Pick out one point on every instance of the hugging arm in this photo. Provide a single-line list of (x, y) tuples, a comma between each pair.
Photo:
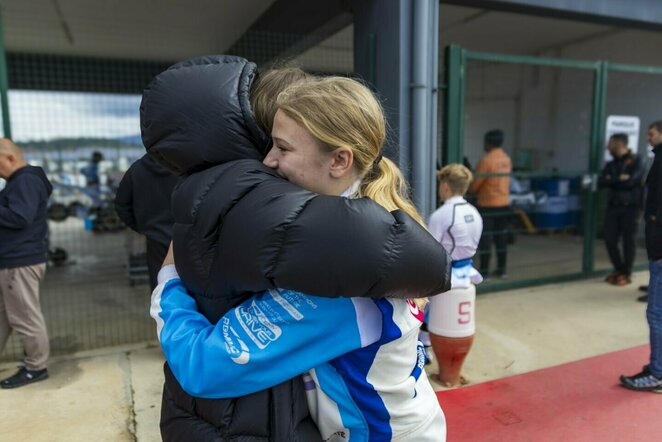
[(275, 234), (268, 339)]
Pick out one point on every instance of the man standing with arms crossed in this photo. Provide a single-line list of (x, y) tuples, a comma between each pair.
[(623, 177), (23, 249), (650, 378)]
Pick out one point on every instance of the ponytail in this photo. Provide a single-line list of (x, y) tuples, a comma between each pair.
[(385, 185)]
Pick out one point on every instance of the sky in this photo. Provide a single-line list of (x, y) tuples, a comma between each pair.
[(44, 115)]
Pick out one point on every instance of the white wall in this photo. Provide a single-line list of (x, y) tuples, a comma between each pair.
[(549, 109)]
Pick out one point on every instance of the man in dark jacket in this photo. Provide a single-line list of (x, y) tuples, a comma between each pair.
[(650, 378), (23, 249), (143, 203), (623, 176)]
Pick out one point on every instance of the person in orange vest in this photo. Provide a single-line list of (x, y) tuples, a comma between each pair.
[(492, 188)]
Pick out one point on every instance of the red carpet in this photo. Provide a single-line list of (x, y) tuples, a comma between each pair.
[(579, 401)]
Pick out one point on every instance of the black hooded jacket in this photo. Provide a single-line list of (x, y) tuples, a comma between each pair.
[(628, 193), (143, 199), (240, 229), (23, 224)]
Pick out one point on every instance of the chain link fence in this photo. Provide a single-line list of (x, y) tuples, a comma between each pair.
[(71, 114)]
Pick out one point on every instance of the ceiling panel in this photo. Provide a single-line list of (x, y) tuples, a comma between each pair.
[(141, 29)]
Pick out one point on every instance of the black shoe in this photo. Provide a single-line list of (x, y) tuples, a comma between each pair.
[(643, 288), (500, 275), (643, 298), (24, 377), (644, 381)]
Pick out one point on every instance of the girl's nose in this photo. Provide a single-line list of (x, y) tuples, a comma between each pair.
[(270, 160)]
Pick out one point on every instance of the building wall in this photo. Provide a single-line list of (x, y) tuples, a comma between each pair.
[(548, 110)]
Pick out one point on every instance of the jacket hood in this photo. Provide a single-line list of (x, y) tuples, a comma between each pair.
[(37, 171), (154, 166), (197, 114)]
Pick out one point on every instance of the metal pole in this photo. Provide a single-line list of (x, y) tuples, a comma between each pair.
[(434, 77), (4, 85), (597, 145), (372, 61), (420, 122), (453, 106)]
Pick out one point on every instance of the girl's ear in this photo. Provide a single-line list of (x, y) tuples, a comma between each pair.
[(342, 160)]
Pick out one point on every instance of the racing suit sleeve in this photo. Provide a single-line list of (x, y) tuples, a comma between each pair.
[(268, 339), (438, 225)]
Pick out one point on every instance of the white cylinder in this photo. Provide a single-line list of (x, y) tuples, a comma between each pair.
[(452, 314)]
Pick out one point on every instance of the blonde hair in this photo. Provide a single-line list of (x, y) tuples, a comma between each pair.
[(265, 90), (457, 176), (340, 111)]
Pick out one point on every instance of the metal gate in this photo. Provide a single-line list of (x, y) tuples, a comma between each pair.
[(554, 113)]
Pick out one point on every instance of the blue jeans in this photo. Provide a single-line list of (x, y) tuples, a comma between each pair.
[(654, 316)]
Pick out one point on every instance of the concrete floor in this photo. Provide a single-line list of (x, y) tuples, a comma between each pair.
[(114, 394)]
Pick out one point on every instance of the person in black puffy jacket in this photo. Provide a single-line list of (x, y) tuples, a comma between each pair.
[(369, 366), (241, 229), (143, 203)]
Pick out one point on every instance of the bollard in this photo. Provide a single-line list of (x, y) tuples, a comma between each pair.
[(452, 325)]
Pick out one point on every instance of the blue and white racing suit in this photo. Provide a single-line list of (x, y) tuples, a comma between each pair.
[(361, 359)]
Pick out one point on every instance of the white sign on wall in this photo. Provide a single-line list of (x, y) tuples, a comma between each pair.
[(622, 124)]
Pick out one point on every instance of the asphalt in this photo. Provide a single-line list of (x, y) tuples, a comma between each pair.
[(114, 394)]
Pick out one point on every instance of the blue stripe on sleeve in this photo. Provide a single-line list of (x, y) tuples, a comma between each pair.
[(352, 417), (354, 368)]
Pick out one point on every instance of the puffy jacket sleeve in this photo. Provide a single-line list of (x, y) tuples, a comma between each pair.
[(239, 228), (124, 199)]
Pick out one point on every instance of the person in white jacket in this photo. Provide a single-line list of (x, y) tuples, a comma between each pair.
[(457, 225)]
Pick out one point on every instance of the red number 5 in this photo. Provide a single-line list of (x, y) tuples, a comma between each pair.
[(464, 310)]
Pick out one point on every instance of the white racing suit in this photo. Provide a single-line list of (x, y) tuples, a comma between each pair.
[(361, 358)]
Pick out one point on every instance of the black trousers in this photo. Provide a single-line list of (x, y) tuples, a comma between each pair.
[(156, 253), (621, 222), (495, 231)]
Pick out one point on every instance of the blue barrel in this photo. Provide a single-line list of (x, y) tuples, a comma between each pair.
[(575, 201), (554, 212)]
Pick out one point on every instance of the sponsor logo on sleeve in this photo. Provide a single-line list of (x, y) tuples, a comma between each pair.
[(237, 348), (338, 436), (286, 305), (257, 325), (415, 311)]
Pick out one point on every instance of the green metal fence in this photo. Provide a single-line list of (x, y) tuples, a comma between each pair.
[(587, 251)]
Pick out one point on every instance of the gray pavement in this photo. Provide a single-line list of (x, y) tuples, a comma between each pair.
[(114, 394)]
